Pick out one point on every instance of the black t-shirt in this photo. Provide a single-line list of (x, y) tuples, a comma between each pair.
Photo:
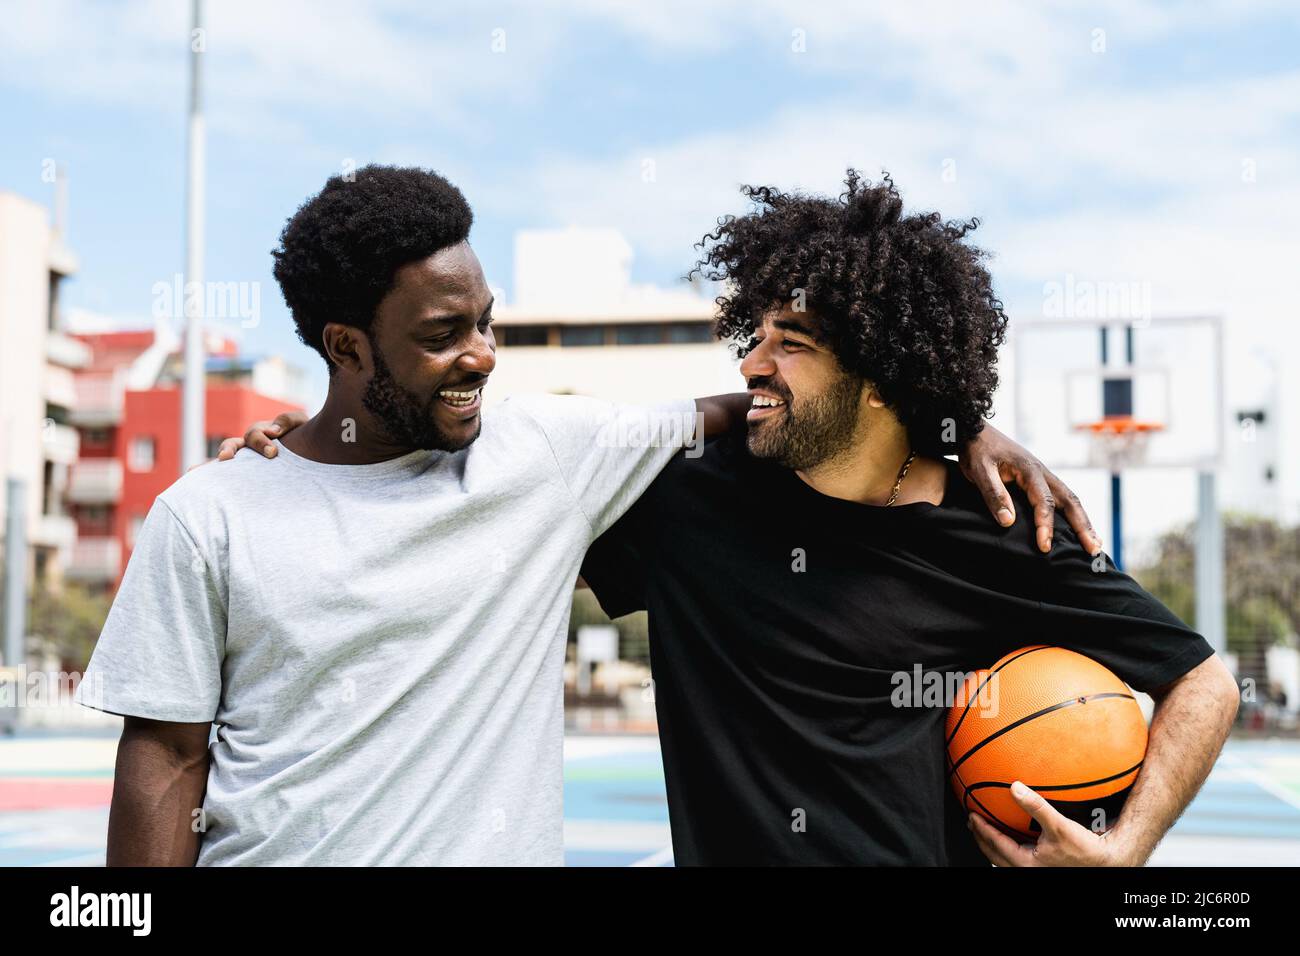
[(778, 617)]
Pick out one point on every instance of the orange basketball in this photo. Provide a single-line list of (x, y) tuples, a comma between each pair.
[(1060, 723)]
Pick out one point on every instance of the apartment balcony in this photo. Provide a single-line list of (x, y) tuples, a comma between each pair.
[(95, 481), (62, 259), (61, 443), (65, 351), (94, 560), (56, 531), (60, 386), (99, 399)]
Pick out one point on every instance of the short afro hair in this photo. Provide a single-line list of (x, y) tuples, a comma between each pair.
[(340, 252), (900, 299)]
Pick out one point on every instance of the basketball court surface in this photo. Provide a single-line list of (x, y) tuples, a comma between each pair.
[(55, 790)]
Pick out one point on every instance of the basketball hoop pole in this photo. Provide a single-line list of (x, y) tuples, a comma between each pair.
[(1163, 374), (1117, 520)]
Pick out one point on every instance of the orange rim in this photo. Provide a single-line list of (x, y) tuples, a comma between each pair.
[(1119, 425)]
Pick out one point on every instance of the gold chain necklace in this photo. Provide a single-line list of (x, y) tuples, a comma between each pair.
[(902, 473)]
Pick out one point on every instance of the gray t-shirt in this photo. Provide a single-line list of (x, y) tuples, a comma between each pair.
[(381, 646)]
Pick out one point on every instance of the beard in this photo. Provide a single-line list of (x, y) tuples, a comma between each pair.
[(810, 431), (403, 417)]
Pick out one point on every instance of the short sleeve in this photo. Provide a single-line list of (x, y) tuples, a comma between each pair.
[(1092, 607), (159, 655), (608, 453), (615, 564)]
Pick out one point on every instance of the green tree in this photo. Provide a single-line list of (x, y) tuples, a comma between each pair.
[(1261, 582), (68, 622)]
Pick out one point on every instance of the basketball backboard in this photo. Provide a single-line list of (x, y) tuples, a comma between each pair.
[(1072, 374)]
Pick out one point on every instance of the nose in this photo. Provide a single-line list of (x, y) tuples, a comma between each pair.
[(480, 357), (758, 362)]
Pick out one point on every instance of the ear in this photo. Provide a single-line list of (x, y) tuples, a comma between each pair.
[(347, 347), (873, 396)]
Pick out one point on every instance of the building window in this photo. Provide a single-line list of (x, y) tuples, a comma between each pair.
[(52, 319), (95, 436), (94, 518), (48, 498), (140, 456), (683, 333), (522, 334), (649, 334), (582, 335)]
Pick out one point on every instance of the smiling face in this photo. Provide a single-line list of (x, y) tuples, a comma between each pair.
[(432, 350), (805, 406)]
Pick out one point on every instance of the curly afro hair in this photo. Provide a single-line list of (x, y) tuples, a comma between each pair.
[(901, 300), (340, 252)]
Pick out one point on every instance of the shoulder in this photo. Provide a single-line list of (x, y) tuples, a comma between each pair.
[(964, 514), (723, 459), (202, 499), (544, 413), (548, 409), (575, 424), (530, 425), (964, 501)]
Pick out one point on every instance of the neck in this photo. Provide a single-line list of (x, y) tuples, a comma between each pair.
[(327, 438), (867, 470)]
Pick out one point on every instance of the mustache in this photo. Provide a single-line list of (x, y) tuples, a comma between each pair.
[(771, 385), (463, 386)]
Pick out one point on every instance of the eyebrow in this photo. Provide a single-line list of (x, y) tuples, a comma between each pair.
[(431, 323), (787, 325)]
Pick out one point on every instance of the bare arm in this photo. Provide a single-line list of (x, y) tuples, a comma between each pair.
[(721, 413), (1193, 717), (988, 461), (159, 783)]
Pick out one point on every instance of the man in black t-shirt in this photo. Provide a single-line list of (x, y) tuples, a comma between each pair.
[(796, 568)]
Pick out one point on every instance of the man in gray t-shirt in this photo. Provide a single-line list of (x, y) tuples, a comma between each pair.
[(374, 612), (381, 645)]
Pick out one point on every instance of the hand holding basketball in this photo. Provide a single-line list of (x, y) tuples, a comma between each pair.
[(1062, 842)]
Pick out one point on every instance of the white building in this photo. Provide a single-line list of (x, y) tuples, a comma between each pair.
[(37, 362), (579, 325)]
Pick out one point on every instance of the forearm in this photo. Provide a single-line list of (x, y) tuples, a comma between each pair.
[(1191, 722), (156, 791), (722, 413)]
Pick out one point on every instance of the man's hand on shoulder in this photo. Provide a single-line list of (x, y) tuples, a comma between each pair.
[(991, 459), (260, 436)]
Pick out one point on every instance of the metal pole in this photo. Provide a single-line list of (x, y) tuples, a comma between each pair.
[(193, 439), (15, 618), (1116, 522), (1209, 565)]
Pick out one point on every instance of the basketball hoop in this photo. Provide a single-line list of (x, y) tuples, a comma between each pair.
[(1118, 441)]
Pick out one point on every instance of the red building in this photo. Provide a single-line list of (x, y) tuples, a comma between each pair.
[(128, 415)]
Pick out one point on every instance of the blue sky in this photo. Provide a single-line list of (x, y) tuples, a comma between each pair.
[(1118, 163)]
